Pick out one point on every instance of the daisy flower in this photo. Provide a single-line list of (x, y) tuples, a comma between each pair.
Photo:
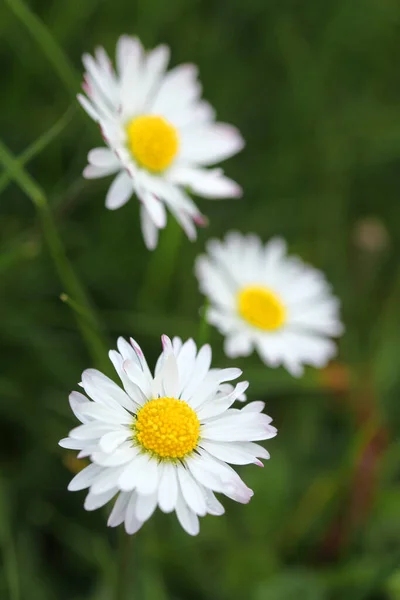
[(165, 439), (261, 298), (160, 136)]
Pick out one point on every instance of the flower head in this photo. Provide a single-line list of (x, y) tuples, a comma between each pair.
[(160, 136), (165, 440), (263, 299)]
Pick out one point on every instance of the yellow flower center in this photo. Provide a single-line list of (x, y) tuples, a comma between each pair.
[(168, 427), (261, 307), (153, 142)]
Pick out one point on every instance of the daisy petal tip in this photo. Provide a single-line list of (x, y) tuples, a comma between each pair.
[(71, 487), (247, 496), (194, 533), (166, 342), (86, 172), (237, 191), (201, 220), (136, 347)]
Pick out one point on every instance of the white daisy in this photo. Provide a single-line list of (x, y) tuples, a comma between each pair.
[(165, 439), (160, 135), (261, 298)]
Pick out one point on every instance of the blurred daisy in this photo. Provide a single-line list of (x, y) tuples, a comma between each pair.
[(263, 299), (165, 439), (160, 136)]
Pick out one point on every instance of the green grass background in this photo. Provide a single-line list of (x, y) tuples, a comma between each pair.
[(314, 86)]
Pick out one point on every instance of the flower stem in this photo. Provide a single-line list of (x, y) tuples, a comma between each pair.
[(160, 269), (91, 330), (44, 38), (41, 143)]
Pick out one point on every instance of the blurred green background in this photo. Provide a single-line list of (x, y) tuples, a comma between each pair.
[(314, 86)]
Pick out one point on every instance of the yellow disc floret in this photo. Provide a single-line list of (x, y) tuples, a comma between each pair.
[(168, 427), (261, 307), (153, 142)]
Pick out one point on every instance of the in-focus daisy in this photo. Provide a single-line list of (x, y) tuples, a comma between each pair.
[(160, 135), (165, 440), (261, 298)]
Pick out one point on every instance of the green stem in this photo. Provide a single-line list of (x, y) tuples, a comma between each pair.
[(40, 144), (47, 43), (92, 333), (161, 267)]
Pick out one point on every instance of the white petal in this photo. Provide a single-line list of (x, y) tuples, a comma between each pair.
[(145, 506), (88, 107), (90, 431), (219, 477), (117, 515), (127, 351), (229, 374), (106, 480), (137, 377), (200, 370), (102, 389), (242, 427), (186, 517), (155, 209), (93, 172), (103, 158), (85, 478), (170, 377), (207, 145), (216, 284), (148, 479), (178, 90), (176, 345), (99, 78), (131, 473), (110, 441), (111, 416), (234, 487), (205, 475), (132, 523), (95, 501), (119, 191), (257, 406), (214, 507), (191, 492), (149, 229), (233, 452), (141, 358), (217, 406), (238, 344), (168, 488), (156, 63), (205, 391), (72, 444), (121, 456), (76, 402), (186, 361), (130, 68), (207, 183), (142, 473), (133, 392)]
